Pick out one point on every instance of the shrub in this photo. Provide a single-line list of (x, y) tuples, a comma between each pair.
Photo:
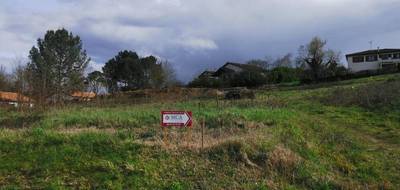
[(204, 82), (248, 79), (325, 74), (283, 74), (232, 150)]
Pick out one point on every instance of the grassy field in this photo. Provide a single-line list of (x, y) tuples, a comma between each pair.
[(342, 135)]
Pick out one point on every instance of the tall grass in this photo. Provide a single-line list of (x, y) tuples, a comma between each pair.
[(298, 142)]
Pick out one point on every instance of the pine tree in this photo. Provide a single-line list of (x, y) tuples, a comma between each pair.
[(57, 65)]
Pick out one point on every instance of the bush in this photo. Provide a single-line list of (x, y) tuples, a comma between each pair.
[(283, 74), (248, 79), (231, 150), (204, 82), (243, 79), (325, 74)]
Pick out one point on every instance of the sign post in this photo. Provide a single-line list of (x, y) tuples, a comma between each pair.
[(176, 118), (182, 119)]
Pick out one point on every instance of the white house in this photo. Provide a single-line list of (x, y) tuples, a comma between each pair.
[(373, 60)]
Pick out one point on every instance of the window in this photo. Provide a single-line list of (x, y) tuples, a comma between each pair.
[(385, 56), (396, 56), (358, 59), (371, 58)]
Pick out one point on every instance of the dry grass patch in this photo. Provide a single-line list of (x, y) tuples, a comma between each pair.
[(191, 139), (284, 161)]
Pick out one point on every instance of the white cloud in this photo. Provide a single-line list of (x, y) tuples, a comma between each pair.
[(198, 44), (93, 66), (124, 33)]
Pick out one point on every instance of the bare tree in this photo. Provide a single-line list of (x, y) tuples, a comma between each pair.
[(315, 57), (5, 82), (285, 61), (266, 63), (170, 78)]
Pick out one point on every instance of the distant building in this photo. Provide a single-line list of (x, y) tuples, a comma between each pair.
[(77, 96), (83, 96), (207, 74), (15, 99), (230, 69), (374, 60), (236, 68)]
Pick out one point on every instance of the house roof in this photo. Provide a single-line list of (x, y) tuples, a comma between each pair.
[(375, 51), (14, 97), (207, 73), (248, 67), (244, 67), (83, 94)]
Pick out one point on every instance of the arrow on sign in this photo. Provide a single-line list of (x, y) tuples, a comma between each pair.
[(176, 118)]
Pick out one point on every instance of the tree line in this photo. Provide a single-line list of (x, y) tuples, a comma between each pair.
[(57, 66), (58, 63), (314, 63)]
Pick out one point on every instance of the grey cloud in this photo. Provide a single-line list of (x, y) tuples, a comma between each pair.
[(196, 35)]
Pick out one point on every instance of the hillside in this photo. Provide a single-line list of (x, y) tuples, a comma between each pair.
[(342, 135)]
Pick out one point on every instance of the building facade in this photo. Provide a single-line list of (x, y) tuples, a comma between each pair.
[(373, 60)]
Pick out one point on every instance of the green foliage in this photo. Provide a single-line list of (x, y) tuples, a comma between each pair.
[(248, 79), (242, 79), (175, 186), (260, 63), (318, 62), (205, 82), (57, 65), (231, 151), (127, 71), (96, 81), (284, 75)]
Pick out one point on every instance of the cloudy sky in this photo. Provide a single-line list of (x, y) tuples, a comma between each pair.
[(199, 34)]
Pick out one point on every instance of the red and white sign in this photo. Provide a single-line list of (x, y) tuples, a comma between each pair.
[(176, 118)]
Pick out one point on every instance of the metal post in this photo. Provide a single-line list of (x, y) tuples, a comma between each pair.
[(165, 136), (202, 134)]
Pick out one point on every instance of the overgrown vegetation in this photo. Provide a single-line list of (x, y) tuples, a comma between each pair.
[(323, 136), (372, 96)]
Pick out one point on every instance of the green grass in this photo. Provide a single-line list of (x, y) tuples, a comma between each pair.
[(346, 147)]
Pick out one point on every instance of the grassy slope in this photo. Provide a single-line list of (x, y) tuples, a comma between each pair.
[(299, 144)]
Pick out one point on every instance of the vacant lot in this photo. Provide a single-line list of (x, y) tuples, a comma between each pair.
[(343, 135)]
